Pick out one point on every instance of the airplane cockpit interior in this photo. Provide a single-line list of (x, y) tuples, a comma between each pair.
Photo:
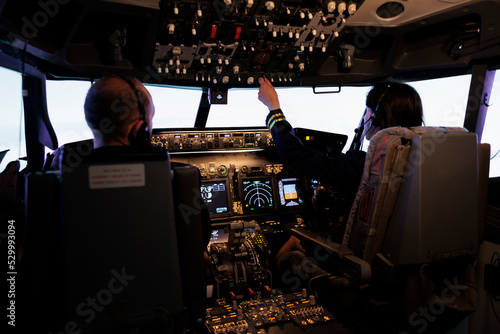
[(223, 227)]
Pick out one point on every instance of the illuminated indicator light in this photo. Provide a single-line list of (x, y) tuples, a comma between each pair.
[(307, 138), (238, 33), (214, 31)]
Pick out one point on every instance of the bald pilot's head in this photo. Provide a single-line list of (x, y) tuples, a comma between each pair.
[(112, 111)]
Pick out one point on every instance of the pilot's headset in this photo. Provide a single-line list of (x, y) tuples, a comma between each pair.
[(142, 137), (376, 121)]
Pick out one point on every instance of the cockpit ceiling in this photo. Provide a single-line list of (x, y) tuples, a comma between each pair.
[(233, 42)]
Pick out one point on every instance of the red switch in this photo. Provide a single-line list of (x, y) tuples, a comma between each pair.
[(214, 31), (238, 33)]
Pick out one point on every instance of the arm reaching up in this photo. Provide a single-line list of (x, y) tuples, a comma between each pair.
[(268, 95)]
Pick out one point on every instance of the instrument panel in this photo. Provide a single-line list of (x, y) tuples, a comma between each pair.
[(232, 42), (241, 171), (243, 176)]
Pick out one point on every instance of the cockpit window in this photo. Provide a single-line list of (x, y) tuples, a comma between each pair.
[(490, 131), (336, 112), (175, 107), (11, 111), (65, 101), (444, 102)]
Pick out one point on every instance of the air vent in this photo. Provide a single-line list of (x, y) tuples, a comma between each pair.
[(390, 10)]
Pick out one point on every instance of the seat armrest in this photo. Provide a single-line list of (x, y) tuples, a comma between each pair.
[(315, 239), (355, 269)]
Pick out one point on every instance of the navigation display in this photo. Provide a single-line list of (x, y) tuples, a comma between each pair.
[(214, 194), (218, 236), (258, 194), (288, 193)]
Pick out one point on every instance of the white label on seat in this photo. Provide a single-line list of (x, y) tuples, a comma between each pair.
[(117, 176)]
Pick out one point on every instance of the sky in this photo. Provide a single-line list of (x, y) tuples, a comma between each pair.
[(444, 102)]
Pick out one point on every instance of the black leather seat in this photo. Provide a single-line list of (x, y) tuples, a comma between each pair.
[(125, 251)]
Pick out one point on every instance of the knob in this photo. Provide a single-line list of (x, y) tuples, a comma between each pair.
[(249, 3), (199, 12), (218, 70), (171, 28), (297, 34), (302, 67), (274, 32), (236, 69), (342, 7), (352, 8), (310, 47), (202, 61), (250, 80), (290, 66), (302, 46), (193, 31), (302, 15), (323, 48), (322, 36), (177, 70), (269, 5), (225, 79), (159, 69), (177, 61), (310, 16), (313, 31), (209, 60), (330, 7), (290, 33), (184, 70), (176, 10), (170, 61), (287, 11), (227, 2), (226, 61)]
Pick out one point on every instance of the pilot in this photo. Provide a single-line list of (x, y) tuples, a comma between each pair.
[(388, 104), (115, 115), (119, 111)]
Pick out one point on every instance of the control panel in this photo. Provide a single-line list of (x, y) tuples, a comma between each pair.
[(267, 310), (183, 140), (243, 298), (233, 42)]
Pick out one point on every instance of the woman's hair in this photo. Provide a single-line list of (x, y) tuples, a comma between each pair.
[(394, 104)]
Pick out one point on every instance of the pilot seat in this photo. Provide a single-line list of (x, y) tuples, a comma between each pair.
[(115, 244), (406, 262)]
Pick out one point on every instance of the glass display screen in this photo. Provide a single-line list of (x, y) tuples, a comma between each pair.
[(214, 194), (218, 236), (257, 194), (289, 196)]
